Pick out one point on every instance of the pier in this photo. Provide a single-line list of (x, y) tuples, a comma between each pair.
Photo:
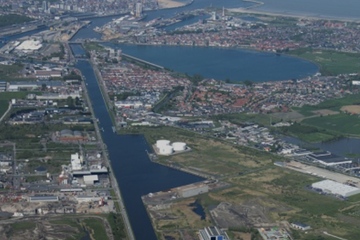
[(142, 61)]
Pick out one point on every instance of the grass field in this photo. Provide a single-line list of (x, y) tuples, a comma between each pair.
[(342, 123), (332, 104), (253, 178), (310, 133), (241, 118), (96, 228), (21, 226), (331, 62), (10, 72), (216, 157), (5, 97), (117, 225)]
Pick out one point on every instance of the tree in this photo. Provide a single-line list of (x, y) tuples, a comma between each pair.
[(70, 102), (248, 83)]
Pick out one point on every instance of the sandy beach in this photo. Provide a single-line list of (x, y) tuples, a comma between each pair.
[(172, 4), (256, 9), (288, 14)]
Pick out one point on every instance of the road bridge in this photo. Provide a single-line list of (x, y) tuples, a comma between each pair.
[(142, 61)]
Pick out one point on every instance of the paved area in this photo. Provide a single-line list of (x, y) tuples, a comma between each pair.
[(323, 173)]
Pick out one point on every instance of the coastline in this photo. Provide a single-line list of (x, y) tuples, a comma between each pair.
[(254, 9), (169, 4)]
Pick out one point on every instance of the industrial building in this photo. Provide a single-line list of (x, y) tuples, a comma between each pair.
[(274, 233), (300, 226), (17, 86), (76, 161), (3, 86), (45, 198), (332, 187), (193, 190), (90, 179), (86, 198), (213, 233), (328, 159)]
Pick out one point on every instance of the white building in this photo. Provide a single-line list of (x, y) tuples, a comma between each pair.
[(76, 161), (332, 187), (300, 226), (138, 9), (90, 179)]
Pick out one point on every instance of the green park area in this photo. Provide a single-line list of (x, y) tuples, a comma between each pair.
[(331, 62), (309, 133), (242, 118), (252, 182), (10, 19), (329, 120), (5, 97), (342, 123), (331, 104), (10, 72)]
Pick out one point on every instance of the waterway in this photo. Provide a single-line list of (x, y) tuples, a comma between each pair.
[(89, 33), (135, 173), (223, 63)]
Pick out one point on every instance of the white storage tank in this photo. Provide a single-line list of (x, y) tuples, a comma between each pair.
[(166, 150), (162, 143), (179, 146)]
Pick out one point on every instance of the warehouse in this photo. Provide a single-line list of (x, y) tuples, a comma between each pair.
[(332, 187), (91, 179), (328, 159), (45, 198), (213, 233)]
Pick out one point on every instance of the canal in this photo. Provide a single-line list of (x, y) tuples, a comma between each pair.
[(135, 173)]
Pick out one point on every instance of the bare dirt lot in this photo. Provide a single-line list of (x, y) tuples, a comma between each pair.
[(354, 109)]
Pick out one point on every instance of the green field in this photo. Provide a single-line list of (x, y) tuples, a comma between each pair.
[(241, 118), (5, 97), (309, 133), (331, 62), (10, 72), (331, 104), (217, 159), (96, 228), (21, 226), (342, 123), (253, 178), (10, 19), (117, 225)]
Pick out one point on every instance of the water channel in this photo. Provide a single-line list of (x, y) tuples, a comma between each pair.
[(135, 173)]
